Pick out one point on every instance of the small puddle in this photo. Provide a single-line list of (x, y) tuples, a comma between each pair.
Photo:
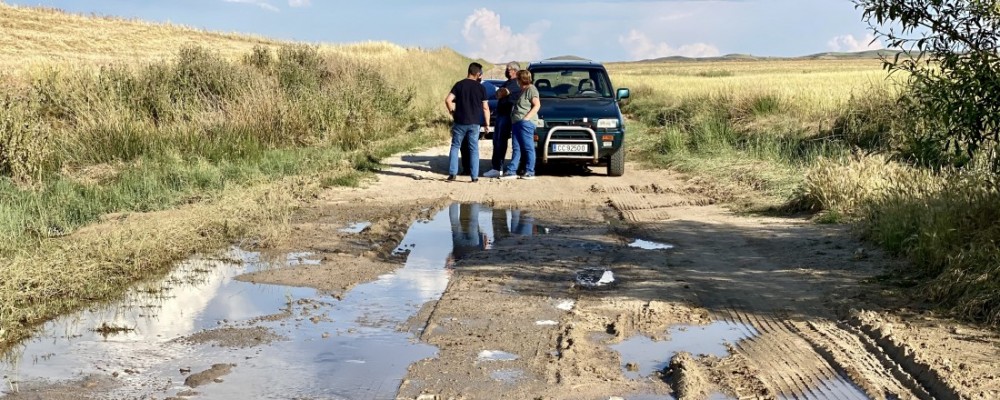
[(651, 356), (357, 347), (835, 388), (507, 375), (495, 355), (356, 227), (713, 396), (649, 245), (302, 258)]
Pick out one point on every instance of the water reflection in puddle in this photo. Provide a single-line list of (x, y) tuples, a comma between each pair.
[(352, 348), (648, 245), (651, 356), (476, 227), (302, 258)]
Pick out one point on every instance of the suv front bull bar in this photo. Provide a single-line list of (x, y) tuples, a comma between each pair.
[(592, 142)]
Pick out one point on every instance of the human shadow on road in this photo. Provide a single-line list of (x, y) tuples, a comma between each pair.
[(792, 270)]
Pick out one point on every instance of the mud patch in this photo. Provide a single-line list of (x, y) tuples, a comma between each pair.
[(507, 375), (234, 337), (592, 278), (210, 375)]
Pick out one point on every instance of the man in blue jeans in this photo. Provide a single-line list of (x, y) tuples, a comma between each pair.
[(467, 104)]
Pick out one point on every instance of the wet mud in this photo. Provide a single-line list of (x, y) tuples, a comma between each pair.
[(415, 288)]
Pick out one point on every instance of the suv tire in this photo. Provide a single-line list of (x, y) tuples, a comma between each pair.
[(616, 163)]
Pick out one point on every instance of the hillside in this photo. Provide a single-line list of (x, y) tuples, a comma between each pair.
[(861, 55), (35, 35)]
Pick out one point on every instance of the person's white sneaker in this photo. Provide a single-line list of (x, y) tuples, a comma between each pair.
[(508, 176), (493, 174), (527, 177)]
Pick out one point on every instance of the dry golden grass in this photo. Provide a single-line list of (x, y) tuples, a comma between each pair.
[(247, 193), (810, 86), (41, 37)]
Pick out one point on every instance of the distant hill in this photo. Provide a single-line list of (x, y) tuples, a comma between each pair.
[(861, 55), (855, 55), (569, 58)]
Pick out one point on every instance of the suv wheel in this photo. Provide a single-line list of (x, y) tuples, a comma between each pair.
[(616, 163)]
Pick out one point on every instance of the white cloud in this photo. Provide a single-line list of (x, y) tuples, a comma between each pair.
[(299, 3), (849, 43), (495, 42), (259, 3), (641, 47), (670, 17)]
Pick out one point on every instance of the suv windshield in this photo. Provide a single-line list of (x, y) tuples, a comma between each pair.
[(571, 82)]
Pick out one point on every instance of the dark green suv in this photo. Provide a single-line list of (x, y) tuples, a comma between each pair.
[(580, 121)]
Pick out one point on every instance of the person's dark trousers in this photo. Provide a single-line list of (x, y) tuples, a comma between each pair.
[(501, 138), (459, 134), (523, 138)]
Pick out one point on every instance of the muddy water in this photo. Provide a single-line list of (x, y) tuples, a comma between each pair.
[(652, 356), (357, 347)]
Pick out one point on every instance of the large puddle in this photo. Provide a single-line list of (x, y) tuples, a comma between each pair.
[(353, 348)]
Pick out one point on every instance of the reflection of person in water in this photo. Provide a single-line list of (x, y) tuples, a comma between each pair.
[(521, 223), (465, 234)]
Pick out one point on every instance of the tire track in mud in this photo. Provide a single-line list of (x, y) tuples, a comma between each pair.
[(646, 203), (784, 362), (858, 358), (878, 339), (829, 360), (797, 360)]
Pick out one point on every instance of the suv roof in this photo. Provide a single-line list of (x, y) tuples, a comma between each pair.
[(566, 63)]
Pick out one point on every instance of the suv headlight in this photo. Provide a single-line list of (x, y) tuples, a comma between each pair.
[(607, 123)]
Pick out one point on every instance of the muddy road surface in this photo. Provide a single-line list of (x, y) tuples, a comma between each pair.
[(571, 286)]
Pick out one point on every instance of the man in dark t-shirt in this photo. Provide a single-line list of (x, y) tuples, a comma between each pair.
[(467, 103)]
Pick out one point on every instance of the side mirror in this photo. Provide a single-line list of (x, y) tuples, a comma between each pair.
[(622, 94)]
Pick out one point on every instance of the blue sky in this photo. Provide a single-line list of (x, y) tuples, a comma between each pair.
[(522, 29)]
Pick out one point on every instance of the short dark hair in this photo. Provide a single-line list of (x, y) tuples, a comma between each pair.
[(475, 68)]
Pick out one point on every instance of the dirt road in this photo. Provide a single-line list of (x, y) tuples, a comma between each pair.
[(703, 304)]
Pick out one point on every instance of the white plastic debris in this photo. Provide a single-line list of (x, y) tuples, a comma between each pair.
[(606, 278), (649, 245), (566, 305), (546, 322)]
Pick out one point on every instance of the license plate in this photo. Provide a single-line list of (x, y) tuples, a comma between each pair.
[(569, 148)]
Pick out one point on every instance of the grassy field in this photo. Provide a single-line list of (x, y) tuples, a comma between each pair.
[(762, 122), (825, 136), (126, 145)]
